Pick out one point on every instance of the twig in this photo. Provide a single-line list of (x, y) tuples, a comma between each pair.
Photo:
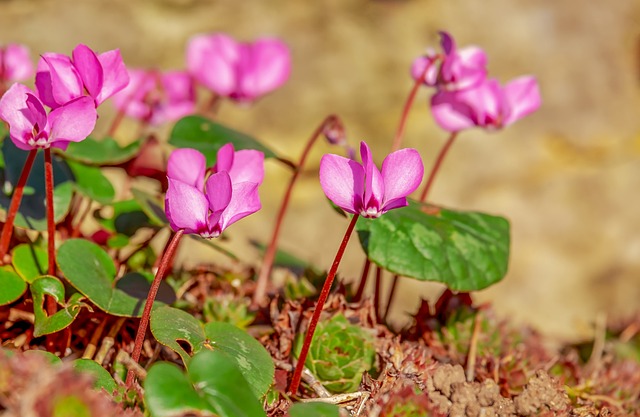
[(473, 348), (598, 342)]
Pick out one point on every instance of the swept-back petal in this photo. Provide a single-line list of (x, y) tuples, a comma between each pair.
[(66, 83), (14, 111), (17, 63), (219, 191), (428, 63), (266, 67), (225, 158), (74, 121), (89, 68), (402, 173), (451, 112), (186, 207), (211, 59), (188, 166), (245, 200), (342, 181), (374, 186), (248, 166), (114, 73), (522, 96), (37, 113)]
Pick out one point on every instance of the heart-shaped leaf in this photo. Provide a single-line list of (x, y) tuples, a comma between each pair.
[(90, 182), (171, 327), (314, 409), (48, 356), (30, 261), (103, 380), (92, 272), (467, 251), (32, 211), (13, 286), (206, 136), (101, 152), (126, 218), (43, 323)]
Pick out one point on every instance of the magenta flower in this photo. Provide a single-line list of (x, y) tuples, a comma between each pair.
[(156, 97), (363, 189), (488, 105), (15, 63), (229, 194), (30, 127), (240, 71), (60, 78), (456, 69)]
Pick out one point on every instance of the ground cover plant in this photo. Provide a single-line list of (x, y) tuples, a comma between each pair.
[(96, 323)]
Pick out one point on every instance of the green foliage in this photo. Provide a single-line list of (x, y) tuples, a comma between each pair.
[(207, 136), (91, 182), (467, 251), (30, 261), (127, 218), (45, 324), (340, 353), (212, 384), (92, 272), (103, 380), (32, 211), (314, 409), (228, 308), (101, 152), (175, 328), (13, 286)]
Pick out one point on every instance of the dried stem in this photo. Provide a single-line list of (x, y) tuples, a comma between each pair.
[(473, 349), (436, 166), (297, 374), (270, 253), (153, 291), (7, 229)]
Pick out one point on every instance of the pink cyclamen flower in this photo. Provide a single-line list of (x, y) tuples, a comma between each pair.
[(455, 69), (15, 63), (240, 71), (30, 127), (60, 78), (488, 105), (229, 194), (363, 189), (157, 97)]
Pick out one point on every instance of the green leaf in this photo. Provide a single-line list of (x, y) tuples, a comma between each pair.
[(30, 261), (48, 356), (151, 206), (92, 272), (314, 409), (101, 152), (127, 218), (90, 182), (13, 286), (45, 324), (206, 136), (32, 212), (118, 241), (168, 392), (103, 380), (171, 327), (467, 251)]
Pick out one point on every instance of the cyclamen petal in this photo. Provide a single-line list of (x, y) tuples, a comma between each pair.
[(374, 186), (73, 122), (186, 208), (187, 165), (114, 73), (12, 110), (15, 61), (66, 83), (342, 181), (402, 172), (88, 66), (212, 60), (219, 191), (248, 166), (245, 200), (522, 96)]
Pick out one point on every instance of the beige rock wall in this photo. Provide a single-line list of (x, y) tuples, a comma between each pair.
[(567, 177)]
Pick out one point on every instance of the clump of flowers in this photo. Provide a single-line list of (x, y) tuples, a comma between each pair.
[(340, 353)]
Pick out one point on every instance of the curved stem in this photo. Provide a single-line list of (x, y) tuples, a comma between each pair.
[(270, 253), (297, 374), (397, 140), (363, 280), (51, 222), (153, 291), (392, 293), (7, 229), (376, 294), (436, 166)]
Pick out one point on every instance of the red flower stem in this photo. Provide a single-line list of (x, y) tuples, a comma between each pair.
[(7, 229), (363, 280), (153, 291), (392, 292), (436, 166), (397, 140), (81, 218), (297, 374), (270, 253), (51, 223), (376, 294)]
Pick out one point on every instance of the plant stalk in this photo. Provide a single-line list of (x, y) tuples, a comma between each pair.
[(436, 166), (363, 280), (297, 374), (153, 291), (7, 229), (259, 295), (51, 222)]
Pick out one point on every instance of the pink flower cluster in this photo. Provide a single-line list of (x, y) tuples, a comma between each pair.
[(72, 87), (464, 96)]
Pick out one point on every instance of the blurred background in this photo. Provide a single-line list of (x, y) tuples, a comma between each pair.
[(567, 177)]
